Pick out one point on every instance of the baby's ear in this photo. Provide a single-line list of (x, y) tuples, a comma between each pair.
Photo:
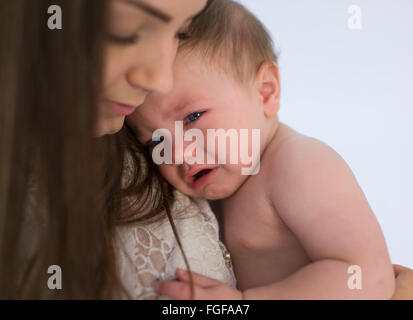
[(268, 85)]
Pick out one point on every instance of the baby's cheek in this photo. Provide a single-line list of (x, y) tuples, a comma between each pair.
[(171, 174), (167, 172)]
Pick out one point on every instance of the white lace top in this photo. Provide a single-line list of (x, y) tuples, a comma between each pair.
[(151, 253)]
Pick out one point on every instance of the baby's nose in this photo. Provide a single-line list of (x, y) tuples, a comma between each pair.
[(189, 151)]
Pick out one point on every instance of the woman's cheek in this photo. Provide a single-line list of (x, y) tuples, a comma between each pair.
[(110, 68)]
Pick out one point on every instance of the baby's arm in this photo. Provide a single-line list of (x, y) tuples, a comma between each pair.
[(317, 196), (404, 283)]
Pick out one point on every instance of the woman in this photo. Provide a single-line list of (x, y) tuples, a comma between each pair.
[(61, 194), (60, 89)]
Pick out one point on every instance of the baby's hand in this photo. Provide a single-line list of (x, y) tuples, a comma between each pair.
[(404, 283), (204, 288)]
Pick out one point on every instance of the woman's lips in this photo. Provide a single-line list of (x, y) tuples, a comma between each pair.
[(121, 109), (204, 179)]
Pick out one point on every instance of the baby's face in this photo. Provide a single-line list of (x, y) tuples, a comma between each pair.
[(203, 97)]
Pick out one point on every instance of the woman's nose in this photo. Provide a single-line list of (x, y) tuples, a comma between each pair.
[(156, 75)]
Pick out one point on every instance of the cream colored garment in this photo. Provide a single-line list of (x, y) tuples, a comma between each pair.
[(150, 253)]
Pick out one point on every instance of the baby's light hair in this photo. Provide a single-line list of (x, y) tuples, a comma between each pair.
[(229, 35)]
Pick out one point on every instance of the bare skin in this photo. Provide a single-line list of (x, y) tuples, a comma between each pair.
[(143, 37), (304, 248), (404, 283), (205, 287), (262, 242), (287, 249), (295, 228)]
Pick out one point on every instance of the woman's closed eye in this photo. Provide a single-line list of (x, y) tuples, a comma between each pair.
[(127, 40), (134, 38)]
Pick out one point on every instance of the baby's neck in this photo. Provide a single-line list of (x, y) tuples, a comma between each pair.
[(269, 139), (273, 133), (277, 133)]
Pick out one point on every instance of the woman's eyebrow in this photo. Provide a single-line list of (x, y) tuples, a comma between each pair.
[(149, 9)]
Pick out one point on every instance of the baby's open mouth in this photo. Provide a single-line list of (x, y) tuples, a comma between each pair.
[(203, 177), (201, 173), (198, 177)]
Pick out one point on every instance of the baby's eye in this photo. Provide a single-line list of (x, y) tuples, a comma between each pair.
[(194, 116)]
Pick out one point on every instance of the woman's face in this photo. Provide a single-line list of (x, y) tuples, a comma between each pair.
[(143, 38)]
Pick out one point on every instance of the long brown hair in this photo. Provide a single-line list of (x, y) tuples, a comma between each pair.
[(59, 185), (61, 193)]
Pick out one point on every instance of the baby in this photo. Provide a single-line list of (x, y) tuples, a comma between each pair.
[(301, 228)]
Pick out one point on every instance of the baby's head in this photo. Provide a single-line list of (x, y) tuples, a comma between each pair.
[(225, 77)]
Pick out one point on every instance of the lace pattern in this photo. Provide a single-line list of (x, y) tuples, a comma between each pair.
[(150, 253)]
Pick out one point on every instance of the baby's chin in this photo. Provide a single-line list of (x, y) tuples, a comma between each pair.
[(215, 191)]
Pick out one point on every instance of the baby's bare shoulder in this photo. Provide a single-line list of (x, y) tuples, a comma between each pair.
[(298, 149), (299, 160)]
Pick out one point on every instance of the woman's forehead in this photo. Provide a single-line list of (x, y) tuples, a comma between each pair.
[(167, 10)]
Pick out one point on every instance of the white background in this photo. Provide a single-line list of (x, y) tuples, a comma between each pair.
[(353, 89)]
